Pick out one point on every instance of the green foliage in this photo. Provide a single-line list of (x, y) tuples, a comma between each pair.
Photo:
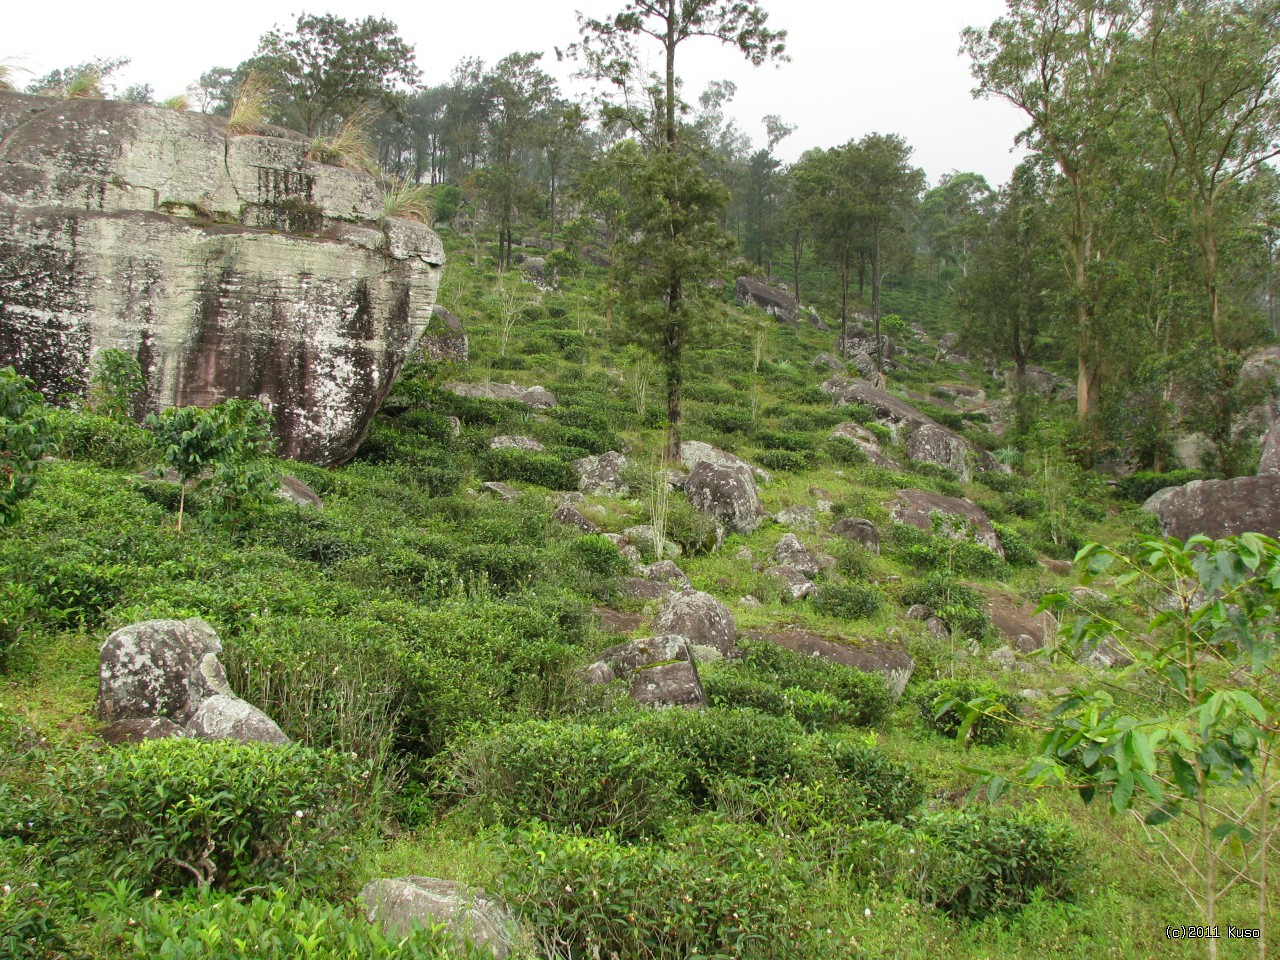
[(116, 384), (711, 889), (939, 552), (866, 695), (572, 776), (785, 461), (975, 864), (709, 744), (1141, 485), (218, 814), (843, 451), (848, 601), (106, 441), (26, 435), (279, 926), (1018, 551), (545, 470), (222, 451), (887, 789), (694, 531), (728, 419), (943, 705)]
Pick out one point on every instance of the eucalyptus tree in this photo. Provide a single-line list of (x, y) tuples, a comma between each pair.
[(1067, 65), (680, 245), (953, 218)]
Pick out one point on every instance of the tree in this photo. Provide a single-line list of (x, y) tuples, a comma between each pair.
[(223, 449), (327, 67), (26, 437), (954, 216), (1193, 759), (1213, 71), (116, 384), (1065, 64), (84, 80), (680, 242)]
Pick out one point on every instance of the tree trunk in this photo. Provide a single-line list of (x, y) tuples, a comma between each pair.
[(875, 294)]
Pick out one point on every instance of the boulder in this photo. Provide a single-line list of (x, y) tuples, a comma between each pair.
[(292, 490), (569, 516), (470, 916), (829, 361), (791, 552), (615, 621), (859, 531), (502, 491), (918, 611), (963, 393), (867, 441), (602, 474), (795, 584), (445, 340), (1264, 364), (646, 538), (937, 445), (865, 364), (859, 340), (726, 493), (779, 304), (889, 660), (535, 268), (625, 659), (519, 443), (223, 717), (138, 730), (1270, 462), (665, 571), (1018, 623), (642, 588), (1219, 508), (229, 266), (937, 627), (159, 668), (701, 619), (802, 518), (669, 685), (693, 452), (917, 508), (540, 398)]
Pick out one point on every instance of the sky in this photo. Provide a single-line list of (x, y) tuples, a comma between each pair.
[(855, 67)]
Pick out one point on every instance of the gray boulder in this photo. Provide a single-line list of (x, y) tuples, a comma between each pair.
[(669, 685), (802, 518), (223, 717), (570, 517), (136, 731), (502, 491), (646, 538), (602, 474), (917, 508), (1270, 462), (665, 571), (726, 493), (293, 490), (865, 364), (470, 916), (625, 659), (866, 440), (795, 584), (701, 619), (937, 445), (540, 398), (445, 340), (829, 361), (791, 552), (859, 531), (1219, 508), (889, 660), (778, 303), (519, 443), (694, 452), (159, 668)]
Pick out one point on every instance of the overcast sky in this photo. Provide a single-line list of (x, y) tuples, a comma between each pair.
[(855, 68)]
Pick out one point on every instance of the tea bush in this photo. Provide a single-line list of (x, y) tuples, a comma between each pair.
[(509, 463), (932, 551), (887, 789), (974, 864), (103, 440), (866, 693), (843, 451), (932, 699), (848, 601), (709, 890), (1017, 549), (280, 926), (694, 531), (218, 814), (572, 776)]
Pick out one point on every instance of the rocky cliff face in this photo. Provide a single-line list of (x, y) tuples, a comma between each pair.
[(230, 266)]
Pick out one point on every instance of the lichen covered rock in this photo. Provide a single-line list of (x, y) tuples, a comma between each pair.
[(229, 266)]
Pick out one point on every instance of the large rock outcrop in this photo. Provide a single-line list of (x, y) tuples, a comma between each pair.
[(230, 266), (776, 302), (468, 916), (917, 508), (1219, 508)]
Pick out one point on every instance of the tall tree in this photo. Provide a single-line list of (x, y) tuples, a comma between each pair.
[(677, 219), (327, 67), (1065, 64), (954, 215)]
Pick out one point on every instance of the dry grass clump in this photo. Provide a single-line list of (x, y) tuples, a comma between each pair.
[(351, 147), (408, 201), (179, 103), (249, 106)]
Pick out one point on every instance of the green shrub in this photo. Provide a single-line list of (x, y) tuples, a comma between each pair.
[(116, 384), (974, 864), (888, 790), (509, 463), (222, 814), (695, 532), (1017, 549), (941, 705), (785, 461), (120, 444), (710, 890), (280, 926), (572, 776), (727, 419), (31, 906), (1144, 483), (772, 440), (27, 434), (933, 551), (1001, 482), (1028, 506), (848, 601), (866, 693), (599, 558), (735, 685), (708, 744), (843, 451), (19, 609)]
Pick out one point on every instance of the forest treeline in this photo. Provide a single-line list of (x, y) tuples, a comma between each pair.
[(1135, 246)]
